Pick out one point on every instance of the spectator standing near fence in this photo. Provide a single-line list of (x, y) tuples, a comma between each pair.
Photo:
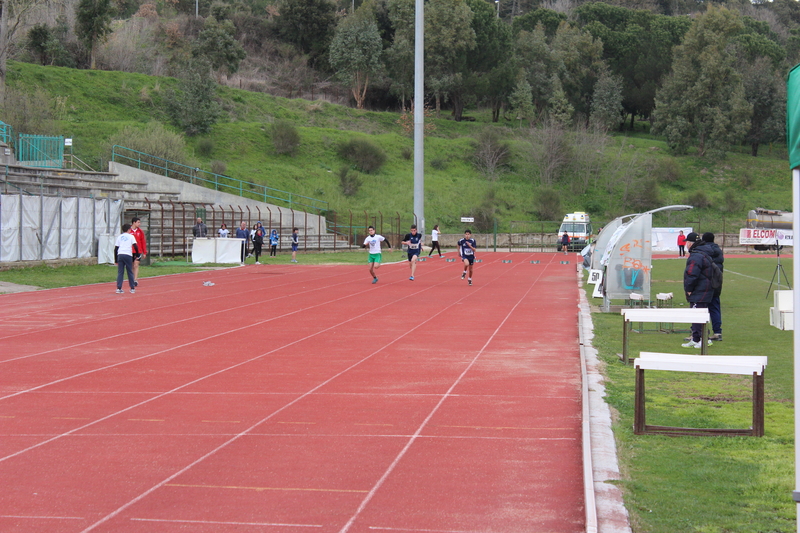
[(435, 241), (466, 250), (295, 243), (124, 249), (223, 231), (373, 241), (274, 239), (714, 307), (141, 244), (681, 244), (242, 233), (697, 283), (199, 230)]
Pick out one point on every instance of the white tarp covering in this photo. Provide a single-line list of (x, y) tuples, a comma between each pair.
[(666, 239), (207, 250), (9, 227), (603, 238), (41, 227), (630, 259)]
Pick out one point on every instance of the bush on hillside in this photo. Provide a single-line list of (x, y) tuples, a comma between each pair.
[(438, 163), (732, 202), (364, 154), (205, 147), (285, 137), (552, 151), (547, 204), (30, 111), (218, 167), (194, 108), (153, 139), (699, 200), (349, 180), (645, 195), (667, 171), (490, 152)]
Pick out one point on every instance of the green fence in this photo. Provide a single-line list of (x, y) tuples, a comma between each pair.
[(40, 151), (218, 182), (6, 133)]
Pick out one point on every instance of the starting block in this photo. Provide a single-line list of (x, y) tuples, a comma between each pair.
[(507, 260), (535, 262)]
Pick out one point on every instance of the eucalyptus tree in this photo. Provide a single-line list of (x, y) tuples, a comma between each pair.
[(702, 102), (449, 37), (355, 52)]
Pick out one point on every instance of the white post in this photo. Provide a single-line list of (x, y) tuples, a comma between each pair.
[(796, 333), (419, 116)]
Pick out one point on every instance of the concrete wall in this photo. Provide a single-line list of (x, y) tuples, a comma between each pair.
[(203, 195)]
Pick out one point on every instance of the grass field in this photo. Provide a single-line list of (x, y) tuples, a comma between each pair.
[(707, 484)]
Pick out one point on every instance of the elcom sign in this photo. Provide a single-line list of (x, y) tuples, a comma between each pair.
[(750, 236)]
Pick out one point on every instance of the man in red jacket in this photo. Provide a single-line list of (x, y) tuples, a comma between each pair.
[(141, 243)]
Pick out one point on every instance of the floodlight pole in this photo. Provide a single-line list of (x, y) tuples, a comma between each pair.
[(419, 115)]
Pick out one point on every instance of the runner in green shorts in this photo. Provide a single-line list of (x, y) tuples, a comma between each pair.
[(373, 241)]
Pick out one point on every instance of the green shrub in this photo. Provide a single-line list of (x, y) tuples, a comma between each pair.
[(667, 171), (285, 137), (547, 204), (153, 139), (439, 163), (349, 180), (193, 107), (407, 153), (490, 152), (363, 154), (699, 200), (218, 167), (205, 147)]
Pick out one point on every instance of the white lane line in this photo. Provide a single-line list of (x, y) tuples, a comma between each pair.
[(212, 522), (424, 423), (291, 403), (241, 363), (42, 517), (190, 343)]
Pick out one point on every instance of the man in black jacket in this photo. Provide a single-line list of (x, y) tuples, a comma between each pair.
[(714, 308), (697, 282)]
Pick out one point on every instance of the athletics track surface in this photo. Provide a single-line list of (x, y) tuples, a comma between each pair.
[(291, 398)]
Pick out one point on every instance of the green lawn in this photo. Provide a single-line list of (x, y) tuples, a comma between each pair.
[(707, 484)]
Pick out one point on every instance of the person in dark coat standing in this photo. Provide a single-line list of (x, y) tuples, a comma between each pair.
[(714, 308), (697, 282)]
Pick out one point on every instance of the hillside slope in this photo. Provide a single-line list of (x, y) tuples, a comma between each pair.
[(616, 175)]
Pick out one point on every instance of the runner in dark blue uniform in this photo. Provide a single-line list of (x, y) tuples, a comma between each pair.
[(466, 249), (414, 242)]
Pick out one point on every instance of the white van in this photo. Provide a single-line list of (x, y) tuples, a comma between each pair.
[(579, 228)]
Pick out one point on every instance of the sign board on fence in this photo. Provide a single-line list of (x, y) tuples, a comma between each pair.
[(67, 142), (467, 219), (595, 276), (749, 236)]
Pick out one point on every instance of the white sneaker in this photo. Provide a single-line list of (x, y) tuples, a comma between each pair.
[(691, 344), (120, 291), (258, 262)]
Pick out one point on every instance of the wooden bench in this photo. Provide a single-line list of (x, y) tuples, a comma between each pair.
[(667, 315), (714, 364)]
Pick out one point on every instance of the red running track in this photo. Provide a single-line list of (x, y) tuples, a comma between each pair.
[(291, 398)]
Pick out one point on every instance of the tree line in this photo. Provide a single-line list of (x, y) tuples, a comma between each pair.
[(704, 79)]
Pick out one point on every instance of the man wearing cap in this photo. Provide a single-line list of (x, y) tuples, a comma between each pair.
[(714, 309), (697, 282)]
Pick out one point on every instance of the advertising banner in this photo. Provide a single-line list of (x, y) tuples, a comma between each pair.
[(769, 237)]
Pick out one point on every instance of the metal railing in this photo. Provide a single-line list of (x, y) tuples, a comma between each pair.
[(40, 150), (218, 182)]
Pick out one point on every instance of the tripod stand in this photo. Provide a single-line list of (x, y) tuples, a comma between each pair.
[(778, 269)]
